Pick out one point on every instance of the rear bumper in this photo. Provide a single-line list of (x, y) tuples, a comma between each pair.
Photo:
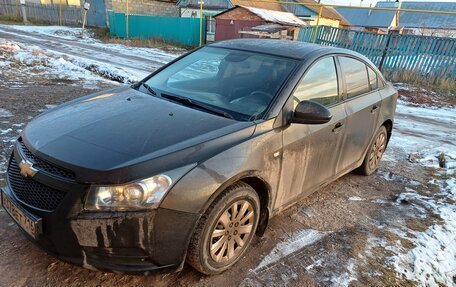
[(130, 242)]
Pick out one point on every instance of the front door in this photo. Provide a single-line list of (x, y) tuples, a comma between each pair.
[(312, 152)]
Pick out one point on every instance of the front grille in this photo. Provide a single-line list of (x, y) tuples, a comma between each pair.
[(32, 192), (45, 166)]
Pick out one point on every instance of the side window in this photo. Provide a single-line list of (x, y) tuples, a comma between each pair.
[(373, 82), (355, 74), (319, 84)]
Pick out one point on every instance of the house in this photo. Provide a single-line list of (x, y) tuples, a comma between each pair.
[(241, 21), (191, 8), (329, 16), (382, 21)]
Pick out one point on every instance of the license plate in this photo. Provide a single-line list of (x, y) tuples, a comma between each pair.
[(30, 223)]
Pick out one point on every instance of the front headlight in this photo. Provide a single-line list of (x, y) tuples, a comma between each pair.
[(142, 194)]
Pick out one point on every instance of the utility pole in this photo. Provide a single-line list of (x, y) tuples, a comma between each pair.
[(86, 9), (24, 12), (201, 22)]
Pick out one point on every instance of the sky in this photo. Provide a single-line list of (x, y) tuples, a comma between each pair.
[(368, 2)]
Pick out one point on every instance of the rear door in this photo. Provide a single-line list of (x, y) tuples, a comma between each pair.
[(311, 152), (362, 104)]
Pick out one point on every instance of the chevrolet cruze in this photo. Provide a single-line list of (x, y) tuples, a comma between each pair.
[(190, 163)]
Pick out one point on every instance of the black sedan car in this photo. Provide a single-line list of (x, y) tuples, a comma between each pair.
[(191, 162)]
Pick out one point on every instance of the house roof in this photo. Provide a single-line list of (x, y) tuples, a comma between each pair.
[(272, 16), (261, 5), (384, 19), (427, 20), (227, 4), (367, 17), (326, 12)]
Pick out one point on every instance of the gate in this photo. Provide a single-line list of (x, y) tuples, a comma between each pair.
[(96, 16)]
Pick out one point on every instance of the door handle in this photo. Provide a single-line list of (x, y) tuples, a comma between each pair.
[(337, 127), (374, 109)]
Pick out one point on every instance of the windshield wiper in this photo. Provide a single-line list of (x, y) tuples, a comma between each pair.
[(148, 88), (191, 103)]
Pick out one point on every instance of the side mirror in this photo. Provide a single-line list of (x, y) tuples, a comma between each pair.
[(312, 113)]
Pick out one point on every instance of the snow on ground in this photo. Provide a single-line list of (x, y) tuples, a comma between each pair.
[(87, 58), (416, 134), (292, 244), (433, 260), (33, 61), (71, 33), (5, 113)]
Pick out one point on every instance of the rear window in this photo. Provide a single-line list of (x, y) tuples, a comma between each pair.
[(373, 81), (356, 79)]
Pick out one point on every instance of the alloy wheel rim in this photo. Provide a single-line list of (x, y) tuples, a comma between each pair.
[(232, 231), (377, 150)]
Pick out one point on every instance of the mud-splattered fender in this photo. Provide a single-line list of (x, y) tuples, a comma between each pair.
[(260, 157), (161, 235)]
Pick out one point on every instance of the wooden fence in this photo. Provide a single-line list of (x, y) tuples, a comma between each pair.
[(433, 58), (51, 13), (45, 13)]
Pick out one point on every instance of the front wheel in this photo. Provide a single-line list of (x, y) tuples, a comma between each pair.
[(375, 152), (225, 231)]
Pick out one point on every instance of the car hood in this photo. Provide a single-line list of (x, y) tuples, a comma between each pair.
[(122, 135)]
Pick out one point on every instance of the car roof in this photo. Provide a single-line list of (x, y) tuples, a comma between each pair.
[(284, 48)]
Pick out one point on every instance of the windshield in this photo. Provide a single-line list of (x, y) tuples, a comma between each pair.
[(240, 83)]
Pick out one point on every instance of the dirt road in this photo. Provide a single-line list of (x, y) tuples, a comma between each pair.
[(358, 231)]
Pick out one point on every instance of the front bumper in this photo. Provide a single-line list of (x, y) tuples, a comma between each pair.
[(131, 242)]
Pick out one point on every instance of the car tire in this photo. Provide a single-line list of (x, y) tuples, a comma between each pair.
[(220, 240), (374, 153)]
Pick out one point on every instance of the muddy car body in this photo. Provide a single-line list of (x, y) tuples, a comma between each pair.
[(331, 112)]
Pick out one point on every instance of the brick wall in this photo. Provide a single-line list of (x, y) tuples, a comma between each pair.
[(145, 7)]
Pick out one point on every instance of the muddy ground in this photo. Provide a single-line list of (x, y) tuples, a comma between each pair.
[(345, 234)]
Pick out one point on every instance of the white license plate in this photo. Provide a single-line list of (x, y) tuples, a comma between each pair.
[(31, 224)]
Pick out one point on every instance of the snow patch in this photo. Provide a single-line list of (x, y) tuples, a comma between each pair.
[(346, 278), (290, 245), (5, 113), (4, 132), (356, 198), (433, 261), (50, 106)]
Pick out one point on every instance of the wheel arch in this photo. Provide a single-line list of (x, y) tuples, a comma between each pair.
[(388, 124), (261, 187)]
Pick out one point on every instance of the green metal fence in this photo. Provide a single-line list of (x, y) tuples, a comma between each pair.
[(183, 31), (431, 57)]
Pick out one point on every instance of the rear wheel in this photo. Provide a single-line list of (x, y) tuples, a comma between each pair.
[(225, 231), (375, 152)]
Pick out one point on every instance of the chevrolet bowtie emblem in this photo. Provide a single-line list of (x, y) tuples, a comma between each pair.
[(27, 169)]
